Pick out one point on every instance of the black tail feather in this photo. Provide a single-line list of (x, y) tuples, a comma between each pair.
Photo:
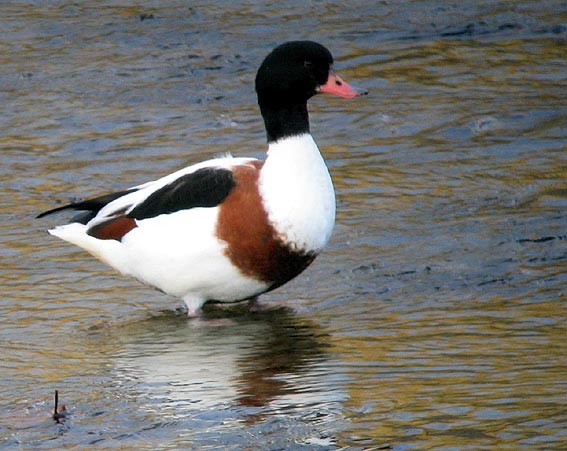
[(92, 206)]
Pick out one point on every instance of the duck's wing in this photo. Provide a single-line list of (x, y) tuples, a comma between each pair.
[(113, 215)]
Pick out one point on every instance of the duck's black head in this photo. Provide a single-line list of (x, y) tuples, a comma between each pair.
[(293, 71), (289, 76)]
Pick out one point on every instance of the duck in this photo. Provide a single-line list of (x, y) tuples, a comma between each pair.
[(230, 228)]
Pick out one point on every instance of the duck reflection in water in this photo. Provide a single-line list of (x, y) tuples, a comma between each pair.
[(252, 362)]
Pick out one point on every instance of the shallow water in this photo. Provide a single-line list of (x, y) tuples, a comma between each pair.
[(436, 318)]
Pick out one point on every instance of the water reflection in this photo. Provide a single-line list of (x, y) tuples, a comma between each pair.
[(247, 363)]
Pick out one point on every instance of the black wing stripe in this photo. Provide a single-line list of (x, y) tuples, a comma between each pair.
[(206, 187)]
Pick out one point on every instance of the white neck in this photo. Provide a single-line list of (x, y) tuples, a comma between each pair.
[(298, 193)]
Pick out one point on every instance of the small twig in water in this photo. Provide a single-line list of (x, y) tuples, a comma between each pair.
[(59, 415)]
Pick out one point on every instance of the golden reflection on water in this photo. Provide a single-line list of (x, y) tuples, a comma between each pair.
[(449, 375)]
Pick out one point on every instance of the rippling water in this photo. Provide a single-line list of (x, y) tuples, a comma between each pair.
[(436, 319)]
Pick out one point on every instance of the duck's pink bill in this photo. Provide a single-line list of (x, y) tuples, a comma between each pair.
[(337, 86)]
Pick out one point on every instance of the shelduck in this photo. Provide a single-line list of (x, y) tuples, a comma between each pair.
[(228, 229)]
